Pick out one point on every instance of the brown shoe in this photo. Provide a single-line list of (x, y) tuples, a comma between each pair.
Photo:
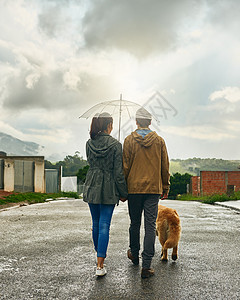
[(146, 273), (135, 260)]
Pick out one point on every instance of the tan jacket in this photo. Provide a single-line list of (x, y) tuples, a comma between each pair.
[(146, 164)]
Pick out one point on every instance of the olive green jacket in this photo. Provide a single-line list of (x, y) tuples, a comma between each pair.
[(105, 182)]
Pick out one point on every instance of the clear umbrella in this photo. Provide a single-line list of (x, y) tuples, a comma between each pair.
[(118, 108)]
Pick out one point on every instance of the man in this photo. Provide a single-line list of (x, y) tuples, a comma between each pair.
[(146, 170)]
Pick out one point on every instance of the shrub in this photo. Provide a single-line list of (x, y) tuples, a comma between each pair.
[(178, 184), (211, 198)]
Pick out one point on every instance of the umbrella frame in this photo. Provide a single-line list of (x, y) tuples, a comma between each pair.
[(120, 111)]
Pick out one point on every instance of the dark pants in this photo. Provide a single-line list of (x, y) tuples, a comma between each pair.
[(137, 203)]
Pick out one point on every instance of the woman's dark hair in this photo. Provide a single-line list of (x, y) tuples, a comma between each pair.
[(100, 123)]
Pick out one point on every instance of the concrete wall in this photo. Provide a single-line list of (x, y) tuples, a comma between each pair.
[(8, 175), (69, 184), (39, 177), (39, 173)]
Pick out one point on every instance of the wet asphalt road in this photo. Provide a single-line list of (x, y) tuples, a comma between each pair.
[(46, 252)]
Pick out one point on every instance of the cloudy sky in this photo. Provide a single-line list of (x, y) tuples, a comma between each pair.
[(60, 57)]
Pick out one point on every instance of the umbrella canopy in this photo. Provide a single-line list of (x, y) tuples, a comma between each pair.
[(118, 108)]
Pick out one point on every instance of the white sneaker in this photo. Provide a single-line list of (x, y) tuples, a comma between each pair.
[(101, 271)]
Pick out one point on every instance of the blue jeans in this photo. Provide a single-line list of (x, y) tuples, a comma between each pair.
[(101, 220)]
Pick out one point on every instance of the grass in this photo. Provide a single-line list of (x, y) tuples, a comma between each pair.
[(32, 198), (211, 199)]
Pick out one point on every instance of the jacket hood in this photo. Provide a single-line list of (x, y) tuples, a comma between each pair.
[(147, 140), (101, 145)]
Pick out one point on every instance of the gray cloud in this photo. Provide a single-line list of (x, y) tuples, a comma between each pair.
[(58, 17), (137, 26), (6, 55), (144, 27), (49, 92), (39, 72), (52, 21), (140, 27), (225, 14), (196, 83)]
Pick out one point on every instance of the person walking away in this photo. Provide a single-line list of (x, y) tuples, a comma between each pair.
[(105, 183), (146, 169)]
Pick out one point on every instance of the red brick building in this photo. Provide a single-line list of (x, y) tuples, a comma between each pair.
[(195, 185), (215, 182)]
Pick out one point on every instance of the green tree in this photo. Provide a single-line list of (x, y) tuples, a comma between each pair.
[(81, 174), (71, 164), (179, 184), (49, 165)]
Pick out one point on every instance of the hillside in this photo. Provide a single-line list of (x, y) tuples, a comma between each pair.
[(195, 165), (14, 146)]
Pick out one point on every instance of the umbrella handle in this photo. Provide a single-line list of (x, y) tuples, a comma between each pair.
[(120, 116)]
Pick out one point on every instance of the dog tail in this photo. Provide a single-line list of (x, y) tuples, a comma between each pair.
[(173, 238)]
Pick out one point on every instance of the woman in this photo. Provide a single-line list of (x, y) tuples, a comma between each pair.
[(105, 183)]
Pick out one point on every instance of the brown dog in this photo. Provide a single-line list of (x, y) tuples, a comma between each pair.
[(168, 230)]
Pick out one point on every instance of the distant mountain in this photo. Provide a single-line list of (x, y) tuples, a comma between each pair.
[(195, 165), (14, 146)]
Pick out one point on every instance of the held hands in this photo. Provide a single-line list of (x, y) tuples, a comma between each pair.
[(123, 199), (164, 196)]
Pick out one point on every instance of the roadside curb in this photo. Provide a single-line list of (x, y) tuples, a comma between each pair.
[(21, 204), (14, 205), (228, 205)]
